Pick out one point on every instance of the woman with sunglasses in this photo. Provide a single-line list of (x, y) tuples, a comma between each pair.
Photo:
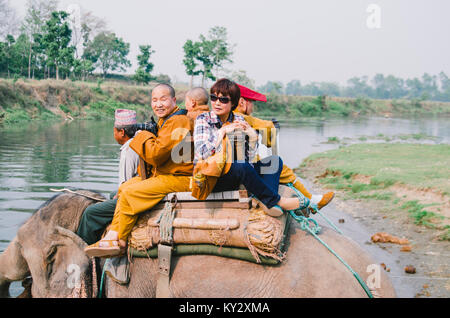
[(260, 178)]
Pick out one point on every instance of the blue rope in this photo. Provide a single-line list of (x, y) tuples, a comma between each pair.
[(100, 290), (304, 225), (301, 196)]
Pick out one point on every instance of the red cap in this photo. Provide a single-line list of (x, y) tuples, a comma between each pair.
[(247, 93)]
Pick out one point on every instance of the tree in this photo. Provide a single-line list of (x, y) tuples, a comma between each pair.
[(163, 78), (357, 86), (272, 88), (430, 87), (444, 94), (38, 12), (242, 78), (13, 55), (293, 88), (8, 54), (108, 52), (222, 51), (191, 53), (85, 26), (211, 51), (82, 68), (414, 87), (145, 67), (205, 56), (56, 42)]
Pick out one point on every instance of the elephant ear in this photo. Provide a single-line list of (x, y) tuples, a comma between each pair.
[(78, 241), (67, 270)]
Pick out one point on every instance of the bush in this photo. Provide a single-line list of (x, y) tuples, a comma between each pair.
[(16, 116), (107, 108), (311, 109), (48, 116), (338, 109)]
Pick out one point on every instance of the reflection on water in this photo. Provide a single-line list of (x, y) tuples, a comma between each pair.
[(84, 154), (37, 157), (298, 141)]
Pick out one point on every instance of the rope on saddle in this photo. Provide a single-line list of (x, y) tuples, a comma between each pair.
[(166, 221)]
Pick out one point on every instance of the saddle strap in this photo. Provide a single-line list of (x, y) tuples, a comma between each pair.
[(165, 248), (164, 260)]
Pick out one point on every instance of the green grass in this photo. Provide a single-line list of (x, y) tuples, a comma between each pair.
[(421, 166), (333, 140), (368, 171), (420, 215)]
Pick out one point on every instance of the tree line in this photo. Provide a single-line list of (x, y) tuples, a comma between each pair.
[(428, 87), (50, 43)]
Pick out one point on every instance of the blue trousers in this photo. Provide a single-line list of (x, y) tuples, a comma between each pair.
[(261, 179)]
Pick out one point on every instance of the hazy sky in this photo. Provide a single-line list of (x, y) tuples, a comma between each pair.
[(281, 40)]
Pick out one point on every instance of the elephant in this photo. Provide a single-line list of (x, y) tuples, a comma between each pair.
[(46, 248)]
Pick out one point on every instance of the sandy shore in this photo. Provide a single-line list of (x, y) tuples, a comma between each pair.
[(362, 218)]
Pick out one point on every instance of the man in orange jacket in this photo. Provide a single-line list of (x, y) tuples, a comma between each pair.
[(196, 102), (168, 173), (267, 128)]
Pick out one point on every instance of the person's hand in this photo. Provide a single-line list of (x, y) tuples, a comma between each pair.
[(115, 197), (244, 125), (227, 129)]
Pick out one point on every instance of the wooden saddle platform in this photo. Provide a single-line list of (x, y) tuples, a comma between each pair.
[(230, 219)]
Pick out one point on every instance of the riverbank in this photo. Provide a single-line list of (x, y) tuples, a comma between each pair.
[(400, 189), (26, 100)]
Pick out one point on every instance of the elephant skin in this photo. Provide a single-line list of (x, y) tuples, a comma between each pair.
[(45, 247)]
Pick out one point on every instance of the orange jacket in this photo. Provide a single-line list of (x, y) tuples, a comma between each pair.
[(263, 126), (157, 150), (199, 109)]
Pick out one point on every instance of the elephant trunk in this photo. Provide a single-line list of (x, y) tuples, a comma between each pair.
[(13, 267)]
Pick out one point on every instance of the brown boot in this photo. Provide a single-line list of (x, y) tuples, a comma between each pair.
[(326, 198)]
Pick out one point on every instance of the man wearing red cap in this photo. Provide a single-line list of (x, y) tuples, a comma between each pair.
[(245, 108)]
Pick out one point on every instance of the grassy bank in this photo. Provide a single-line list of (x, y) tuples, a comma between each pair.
[(25, 100), (399, 178)]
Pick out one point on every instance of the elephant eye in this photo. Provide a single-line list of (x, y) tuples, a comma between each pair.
[(49, 270)]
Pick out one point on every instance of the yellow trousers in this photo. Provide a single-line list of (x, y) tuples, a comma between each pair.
[(288, 176), (137, 196)]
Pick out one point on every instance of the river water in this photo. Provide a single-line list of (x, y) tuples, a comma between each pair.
[(83, 154)]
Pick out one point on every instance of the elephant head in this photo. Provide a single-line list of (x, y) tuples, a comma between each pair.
[(65, 270), (47, 249)]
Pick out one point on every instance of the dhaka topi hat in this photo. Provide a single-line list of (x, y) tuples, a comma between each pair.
[(125, 117)]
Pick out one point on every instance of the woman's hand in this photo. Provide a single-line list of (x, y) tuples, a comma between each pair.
[(227, 129)]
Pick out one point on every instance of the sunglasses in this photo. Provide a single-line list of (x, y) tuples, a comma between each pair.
[(223, 100)]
